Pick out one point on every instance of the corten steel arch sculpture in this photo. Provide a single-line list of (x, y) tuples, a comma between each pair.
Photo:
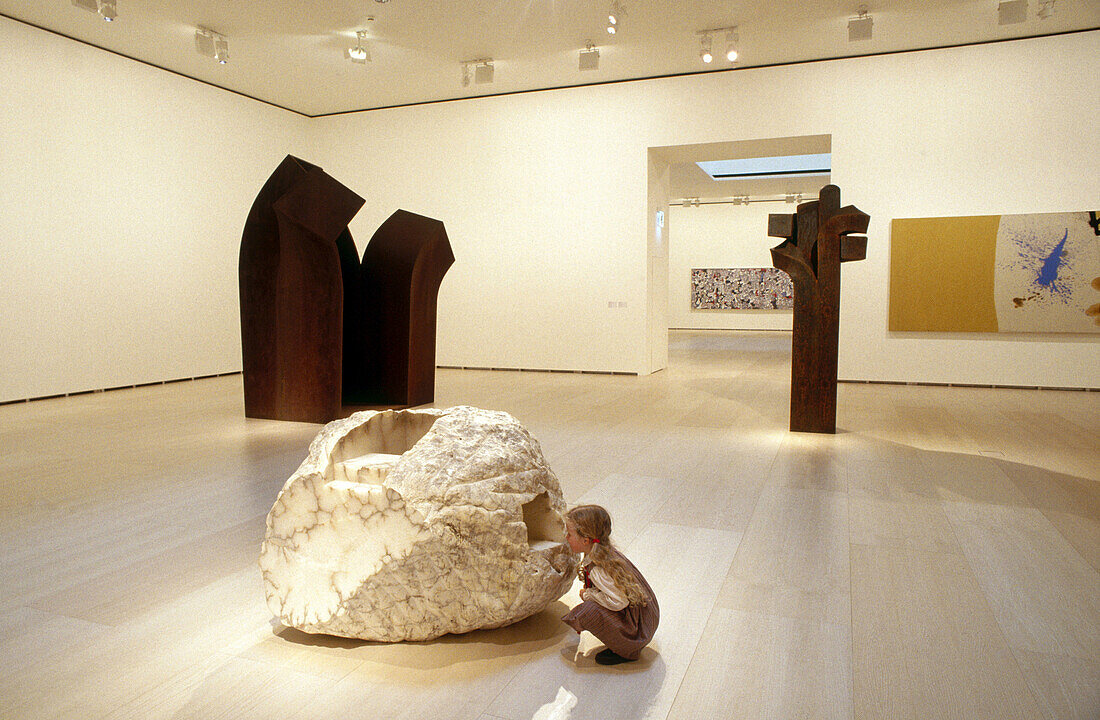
[(403, 266), (818, 238), (295, 250), (319, 330)]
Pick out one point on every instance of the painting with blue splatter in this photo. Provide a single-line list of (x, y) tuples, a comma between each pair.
[(1045, 268)]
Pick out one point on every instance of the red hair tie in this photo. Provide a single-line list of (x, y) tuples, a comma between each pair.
[(595, 541)]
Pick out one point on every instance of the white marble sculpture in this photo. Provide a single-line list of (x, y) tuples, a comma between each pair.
[(406, 525)]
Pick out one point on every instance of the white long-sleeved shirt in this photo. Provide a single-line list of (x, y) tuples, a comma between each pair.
[(603, 590)]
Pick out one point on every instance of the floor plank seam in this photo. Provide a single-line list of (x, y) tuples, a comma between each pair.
[(976, 578)]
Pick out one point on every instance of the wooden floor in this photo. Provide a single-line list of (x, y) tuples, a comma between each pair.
[(937, 558)]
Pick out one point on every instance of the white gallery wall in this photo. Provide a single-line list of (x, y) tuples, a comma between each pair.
[(544, 195), (123, 193), (720, 236), (125, 189), (544, 199)]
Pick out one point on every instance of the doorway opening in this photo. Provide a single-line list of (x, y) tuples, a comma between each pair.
[(708, 211)]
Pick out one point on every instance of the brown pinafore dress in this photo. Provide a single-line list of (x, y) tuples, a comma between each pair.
[(624, 631)]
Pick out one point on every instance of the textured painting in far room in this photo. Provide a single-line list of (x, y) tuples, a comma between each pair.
[(996, 273), (741, 289)]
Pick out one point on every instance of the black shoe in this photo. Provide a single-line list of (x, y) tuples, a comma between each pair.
[(610, 657)]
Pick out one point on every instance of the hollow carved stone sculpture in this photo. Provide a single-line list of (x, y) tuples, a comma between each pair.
[(818, 239), (321, 331), (409, 524)]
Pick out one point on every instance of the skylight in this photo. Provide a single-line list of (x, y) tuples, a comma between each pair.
[(772, 167)]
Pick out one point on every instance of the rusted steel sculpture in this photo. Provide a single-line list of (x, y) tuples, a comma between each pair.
[(319, 329), (818, 238), (294, 251), (403, 266)]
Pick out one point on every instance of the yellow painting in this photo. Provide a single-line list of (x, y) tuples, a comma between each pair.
[(996, 273)]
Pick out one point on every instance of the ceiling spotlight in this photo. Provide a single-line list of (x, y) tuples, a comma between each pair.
[(358, 54), (706, 43), (859, 27), (483, 71), (212, 45), (731, 45), (1046, 9), (704, 49), (1011, 12), (589, 58), (614, 17), (107, 9), (221, 50)]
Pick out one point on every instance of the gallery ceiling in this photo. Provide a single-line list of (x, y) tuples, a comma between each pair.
[(291, 53)]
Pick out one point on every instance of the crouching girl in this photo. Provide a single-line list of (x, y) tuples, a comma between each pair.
[(618, 606)]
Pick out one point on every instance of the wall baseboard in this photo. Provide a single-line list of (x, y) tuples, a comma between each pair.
[(970, 385), (538, 370), (117, 387), (574, 372)]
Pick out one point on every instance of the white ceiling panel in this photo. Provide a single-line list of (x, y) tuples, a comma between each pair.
[(291, 52)]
